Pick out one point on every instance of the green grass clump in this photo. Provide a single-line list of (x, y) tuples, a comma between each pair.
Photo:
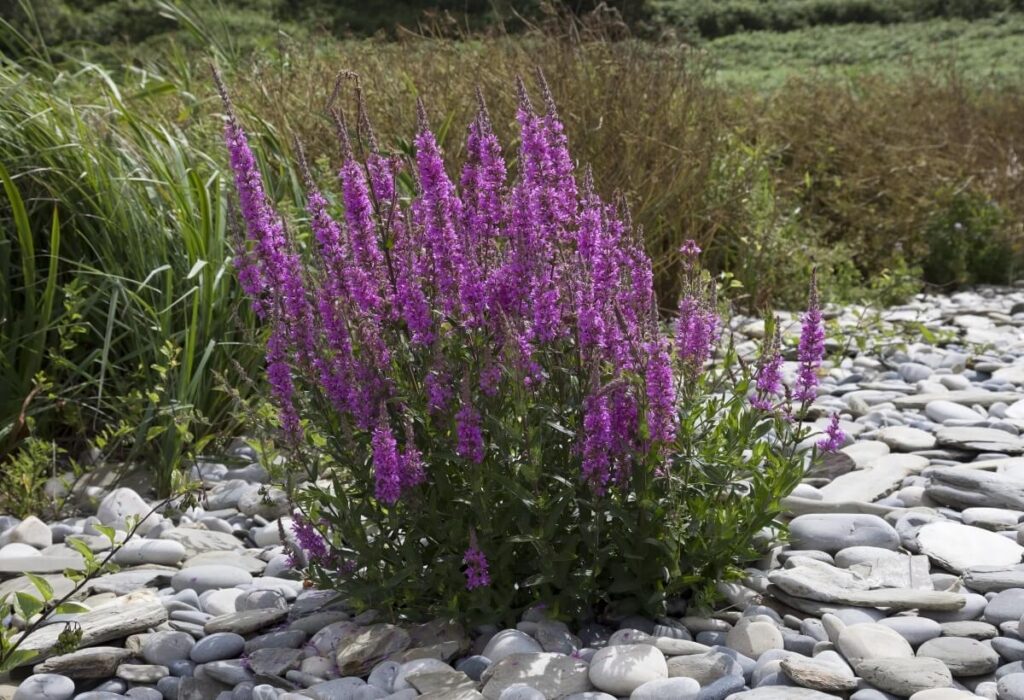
[(118, 300)]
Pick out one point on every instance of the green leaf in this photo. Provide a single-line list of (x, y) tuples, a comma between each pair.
[(82, 548), (18, 657), (42, 585), (27, 604), (71, 608), (107, 531)]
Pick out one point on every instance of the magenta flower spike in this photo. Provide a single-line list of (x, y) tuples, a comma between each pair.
[(387, 465), (834, 436), (811, 350), (477, 567)]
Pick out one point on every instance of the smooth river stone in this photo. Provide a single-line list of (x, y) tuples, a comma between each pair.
[(124, 616), (830, 532), (980, 440), (141, 551), (905, 439), (620, 670), (959, 547), (965, 488), (905, 677), (873, 482), (782, 693), (45, 686), (817, 674), (872, 641), (508, 642), (988, 579), (967, 397), (553, 675), (963, 657), (992, 518), (94, 662), (209, 578), (940, 411), (916, 630), (1005, 606)]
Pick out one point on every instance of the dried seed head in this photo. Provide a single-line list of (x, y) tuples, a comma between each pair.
[(524, 95), (422, 122), (341, 127)]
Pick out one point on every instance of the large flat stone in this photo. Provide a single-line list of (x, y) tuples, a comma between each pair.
[(975, 488), (869, 484), (966, 397), (960, 547), (980, 440), (130, 614)]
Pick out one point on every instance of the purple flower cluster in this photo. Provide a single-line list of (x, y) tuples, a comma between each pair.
[(768, 378), (834, 436), (310, 540), (477, 568), (811, 350), (510, 267)]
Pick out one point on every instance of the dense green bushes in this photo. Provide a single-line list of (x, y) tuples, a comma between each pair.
[(711, 19)]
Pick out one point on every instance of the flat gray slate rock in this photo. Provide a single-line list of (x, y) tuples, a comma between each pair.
[(960, 547), (782, 693), (965, 397), (980, 440), (973, 488), (127, 615), (989, 579)]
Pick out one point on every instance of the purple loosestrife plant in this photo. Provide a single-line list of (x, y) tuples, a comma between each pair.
[(812, 347), (834, 435), (483, 354)]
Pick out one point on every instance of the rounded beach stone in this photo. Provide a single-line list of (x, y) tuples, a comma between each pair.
[(139, 551), (916, 630), (667, 689), (121, 504), (1005, 606), (872, 641), (45, 686), (754, 637), (620, 670), (210, 577), (943, 694), (509, 642), (217, 646), (905, 677), (830, 532), (521, 691), (164, 648), (1011, 687), (963, 657)]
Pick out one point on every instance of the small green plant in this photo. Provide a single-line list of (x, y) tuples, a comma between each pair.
[(36, 611)]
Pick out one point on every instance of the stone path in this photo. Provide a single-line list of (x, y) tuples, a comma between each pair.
[(903, 578)]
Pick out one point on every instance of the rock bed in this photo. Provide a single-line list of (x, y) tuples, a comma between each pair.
[(903, 576)]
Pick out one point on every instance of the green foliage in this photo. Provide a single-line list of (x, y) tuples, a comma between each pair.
[(117, 283), (24, 612), (712, 19), (968, 242)]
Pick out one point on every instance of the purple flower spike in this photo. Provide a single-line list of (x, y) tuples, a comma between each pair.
[(812, 347), (661, 393), (768, 384), (477, 568), (311, 542), (470, 436), (834, 436), (387, 465)]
